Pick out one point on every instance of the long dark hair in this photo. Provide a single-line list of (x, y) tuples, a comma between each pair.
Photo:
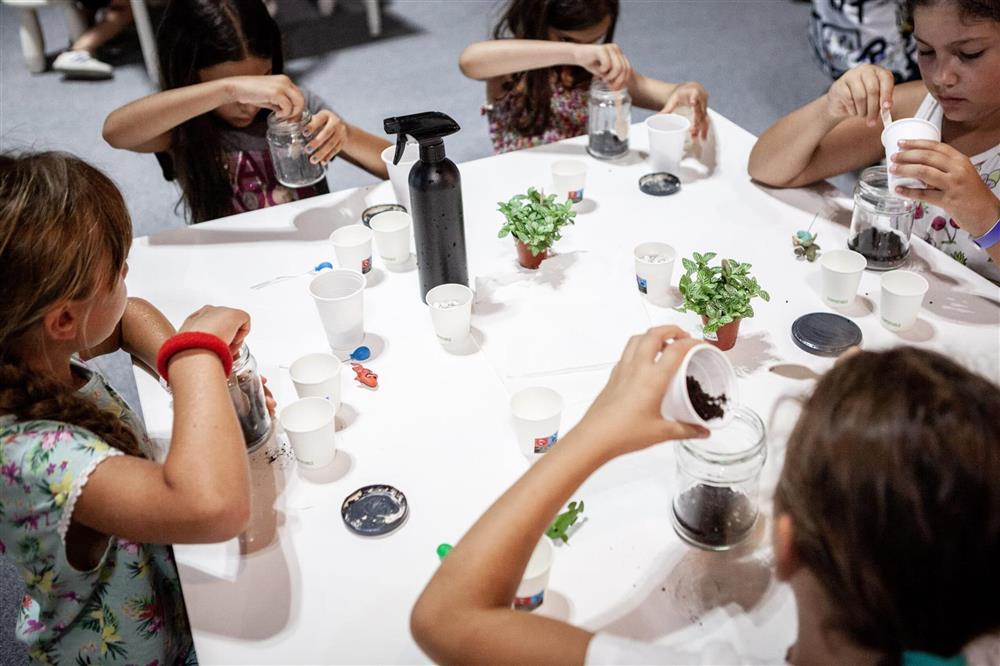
[(968, 9), (531, 19), (193, 35), (892, 481)]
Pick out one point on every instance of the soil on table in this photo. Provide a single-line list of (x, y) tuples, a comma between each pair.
[(607, 144), (707, 406), (882, 248), (714, 516)]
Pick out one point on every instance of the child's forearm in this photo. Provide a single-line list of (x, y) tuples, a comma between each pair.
[(144, 330), (648, 93), (365, 150), (500, 57), (145, 124), (786, 149)]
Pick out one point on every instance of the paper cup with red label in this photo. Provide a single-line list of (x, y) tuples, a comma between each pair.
[(568, 179), (531, 592), (353, 246), (536, 412)]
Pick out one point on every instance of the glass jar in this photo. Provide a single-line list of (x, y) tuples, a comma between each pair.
[(609, 120), (247, 393), (288, 152), (715, 504), (882, 221)]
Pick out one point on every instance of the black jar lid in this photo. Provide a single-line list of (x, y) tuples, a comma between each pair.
[(825, 333), (375, 510), (660, 184)]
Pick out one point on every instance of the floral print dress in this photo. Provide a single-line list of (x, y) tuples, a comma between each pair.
[(936, 226), (568, 101), (126, 610)]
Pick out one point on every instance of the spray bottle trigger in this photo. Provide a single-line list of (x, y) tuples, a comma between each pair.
[(400, 147)]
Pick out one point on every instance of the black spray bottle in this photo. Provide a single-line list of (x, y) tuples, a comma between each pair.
[(435, 199)]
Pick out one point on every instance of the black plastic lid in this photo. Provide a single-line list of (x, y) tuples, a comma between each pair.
[(660, 184), (378, 209), (825, 333), (375, 510)]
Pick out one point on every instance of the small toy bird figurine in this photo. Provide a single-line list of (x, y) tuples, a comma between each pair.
[(365, 376), (805, 245), (562, 523)]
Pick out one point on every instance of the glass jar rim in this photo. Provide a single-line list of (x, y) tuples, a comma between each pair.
[(288, 124), (758, 444), (242, 358), (601, 89)]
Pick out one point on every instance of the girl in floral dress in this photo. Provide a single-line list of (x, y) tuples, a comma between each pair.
[(539, 65), (85, 511)]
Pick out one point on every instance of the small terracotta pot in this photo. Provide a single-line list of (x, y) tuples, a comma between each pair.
[(725, 337), (526, 259)]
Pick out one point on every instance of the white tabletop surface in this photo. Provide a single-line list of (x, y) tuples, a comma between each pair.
[(300, 588)]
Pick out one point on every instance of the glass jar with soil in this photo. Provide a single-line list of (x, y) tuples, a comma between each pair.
[(715, 503), (881, 222), (287, 144), (247, 393), (608, 122)]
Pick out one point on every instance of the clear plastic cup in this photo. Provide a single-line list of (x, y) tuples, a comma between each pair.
[(310, 424), (902, 295), (568, 179), (451, 311), (339, 298), (317, 376), (667, 134), (353, 246), (537, 411), (842, 270), (399, 174), (392, 236)]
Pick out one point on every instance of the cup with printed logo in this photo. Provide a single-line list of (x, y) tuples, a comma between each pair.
[(317, 375), (339, 298), (392, 236), (353, 246), (310, 424), (537, 411), (902, 295), (654, 268), (535, 580), (568, 179), (841, 275)]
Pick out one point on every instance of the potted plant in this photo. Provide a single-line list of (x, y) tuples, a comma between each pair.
[(720, 294), (534, 220)]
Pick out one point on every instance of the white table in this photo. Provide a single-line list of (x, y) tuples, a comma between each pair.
[(300, 588)]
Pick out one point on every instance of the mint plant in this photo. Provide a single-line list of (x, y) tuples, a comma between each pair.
[(722, 293), (535, 219)]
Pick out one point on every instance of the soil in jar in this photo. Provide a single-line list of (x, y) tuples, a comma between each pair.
[(883, 248), (251, 409), (707, 406), (714, 516), (607, 144)]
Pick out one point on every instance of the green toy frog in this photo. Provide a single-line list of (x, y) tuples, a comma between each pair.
[(565, 520)]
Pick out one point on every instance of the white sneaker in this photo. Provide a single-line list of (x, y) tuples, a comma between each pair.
[(81, 65)]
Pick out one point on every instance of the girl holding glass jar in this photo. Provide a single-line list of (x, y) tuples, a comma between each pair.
[(235, 132), (539, 66), (863, 489)]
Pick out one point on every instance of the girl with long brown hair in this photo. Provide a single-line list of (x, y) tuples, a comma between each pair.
[(540, 63), (85, 510)]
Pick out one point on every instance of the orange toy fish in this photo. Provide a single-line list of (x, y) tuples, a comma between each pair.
[(365, 376)]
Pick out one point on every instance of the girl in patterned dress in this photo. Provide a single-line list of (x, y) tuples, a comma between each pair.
[(85, 512), (222, 70), (539, 65), (958, 51)]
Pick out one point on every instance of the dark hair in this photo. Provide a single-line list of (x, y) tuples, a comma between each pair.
[(892, 482), (193, 35), (531, 19), (51, 202), (967, 9)]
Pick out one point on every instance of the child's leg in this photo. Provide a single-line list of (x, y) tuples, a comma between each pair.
[(116, 17), (79, 60)]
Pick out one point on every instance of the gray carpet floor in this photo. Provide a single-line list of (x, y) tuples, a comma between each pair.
[(752, 56)]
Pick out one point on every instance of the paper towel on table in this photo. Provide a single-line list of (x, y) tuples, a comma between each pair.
[(575, 312)]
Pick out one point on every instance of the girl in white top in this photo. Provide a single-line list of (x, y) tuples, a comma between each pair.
[(958, 50), (885, 528)]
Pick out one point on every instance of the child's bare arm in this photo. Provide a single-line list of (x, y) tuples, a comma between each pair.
[(365, 150), (141, 332), (656, 95)]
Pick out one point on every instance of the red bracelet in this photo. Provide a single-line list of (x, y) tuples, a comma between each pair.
[(193, 340)]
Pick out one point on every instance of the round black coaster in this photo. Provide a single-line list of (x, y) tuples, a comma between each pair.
[(374, 510), (659, 184), (372, 211), (825, 333)]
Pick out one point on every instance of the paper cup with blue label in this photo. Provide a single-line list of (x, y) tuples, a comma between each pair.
[(537, 411), (317, 376), (568, 179), (654, 268), (451, 312), (531, 592), (906, 129), (353, 246)]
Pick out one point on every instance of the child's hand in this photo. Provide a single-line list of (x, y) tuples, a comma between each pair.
[(862, 92), (269, 400), (275, 92), (952, 183), (606, 62), (329, 133), (229, 324), (626, 414), (694, 95)]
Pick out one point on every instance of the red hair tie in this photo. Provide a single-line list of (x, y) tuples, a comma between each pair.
[(193, 340)]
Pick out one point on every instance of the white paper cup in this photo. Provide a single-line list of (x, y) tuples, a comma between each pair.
[(568, 179), (353, 247), (536, 411), (716, 376), (311, 427), (906, 129), (317, 376), (842, 270), (902, 295), (667, 133), (339, 298), (654, 267), (451, 311), (531, 592), (399, 174), (392, 236)]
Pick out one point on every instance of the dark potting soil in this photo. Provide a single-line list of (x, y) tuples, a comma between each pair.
[(882, 248), (714, 516), (607, 144), (708, 406)]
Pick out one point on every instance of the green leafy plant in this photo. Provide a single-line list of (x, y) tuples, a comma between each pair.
[(535, 219), (722, 293)]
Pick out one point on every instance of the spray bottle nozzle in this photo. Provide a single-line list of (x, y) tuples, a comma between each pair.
[(428, 128)]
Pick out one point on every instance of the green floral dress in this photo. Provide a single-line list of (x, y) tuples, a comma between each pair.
[(126, 610)]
